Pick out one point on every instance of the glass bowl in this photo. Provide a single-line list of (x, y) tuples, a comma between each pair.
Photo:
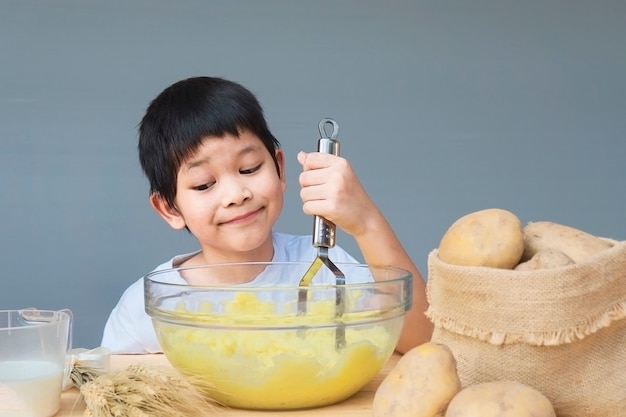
[(239, 329)]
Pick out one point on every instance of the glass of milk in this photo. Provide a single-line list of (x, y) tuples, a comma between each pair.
[(34, 347)]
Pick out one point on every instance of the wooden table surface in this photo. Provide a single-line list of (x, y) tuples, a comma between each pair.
[(360, 404)]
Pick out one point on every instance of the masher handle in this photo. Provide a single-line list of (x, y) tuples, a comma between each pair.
[(324, 230)]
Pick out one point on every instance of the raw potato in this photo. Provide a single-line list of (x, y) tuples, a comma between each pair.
[(491, 237), (576, 244), (500, 399), (421, 384), (545, 259)]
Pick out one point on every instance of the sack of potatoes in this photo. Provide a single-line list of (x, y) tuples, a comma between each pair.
[(538, 303), (496, 238)]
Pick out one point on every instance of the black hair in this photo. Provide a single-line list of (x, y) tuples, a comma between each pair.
[(182, 115)]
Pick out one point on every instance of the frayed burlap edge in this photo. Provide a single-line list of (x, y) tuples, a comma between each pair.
[(555, 338)]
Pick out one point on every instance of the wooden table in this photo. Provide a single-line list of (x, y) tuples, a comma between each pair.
[(360, 404)]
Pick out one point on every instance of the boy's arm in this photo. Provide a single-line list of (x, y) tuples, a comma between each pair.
[(380, 246), (331, 189)]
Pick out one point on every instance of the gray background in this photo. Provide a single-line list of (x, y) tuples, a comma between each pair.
[(445, 107)]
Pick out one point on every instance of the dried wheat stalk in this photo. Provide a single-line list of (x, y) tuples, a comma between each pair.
[(142, 391)]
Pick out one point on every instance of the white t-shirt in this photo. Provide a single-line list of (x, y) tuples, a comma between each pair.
[(129, 328)]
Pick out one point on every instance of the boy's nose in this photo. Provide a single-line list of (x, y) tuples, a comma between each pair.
[(236, 192)]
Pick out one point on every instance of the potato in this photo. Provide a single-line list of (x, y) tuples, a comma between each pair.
[(500, 399), (576, 244), (421, 384), (545, 259), (491, 237)]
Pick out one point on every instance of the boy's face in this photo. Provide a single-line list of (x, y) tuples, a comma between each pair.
[(229, 196)]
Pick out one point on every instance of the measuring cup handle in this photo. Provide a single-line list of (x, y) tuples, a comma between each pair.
[(68, 352)]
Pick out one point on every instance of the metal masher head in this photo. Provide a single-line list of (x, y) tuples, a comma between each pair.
[(323, 239)]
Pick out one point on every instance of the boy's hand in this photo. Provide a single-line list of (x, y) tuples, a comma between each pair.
[(331, 189)]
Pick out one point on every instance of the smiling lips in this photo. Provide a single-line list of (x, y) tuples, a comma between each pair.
[(243, 218)]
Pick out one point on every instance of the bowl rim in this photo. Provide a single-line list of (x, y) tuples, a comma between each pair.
[(402, 275)]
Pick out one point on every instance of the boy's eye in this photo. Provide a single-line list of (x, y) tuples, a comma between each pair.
[(203, 186), (251, 170)]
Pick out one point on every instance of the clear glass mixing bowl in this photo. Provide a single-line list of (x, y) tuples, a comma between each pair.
[(238, 329)]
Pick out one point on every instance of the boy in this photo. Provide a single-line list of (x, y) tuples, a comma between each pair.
[(216, 170)]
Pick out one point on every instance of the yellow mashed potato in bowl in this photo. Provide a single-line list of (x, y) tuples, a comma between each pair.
[(252, 352)]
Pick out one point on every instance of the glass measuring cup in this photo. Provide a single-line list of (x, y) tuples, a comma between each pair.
[(34, 347)]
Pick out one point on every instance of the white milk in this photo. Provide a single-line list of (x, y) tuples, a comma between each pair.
[(30, 388)]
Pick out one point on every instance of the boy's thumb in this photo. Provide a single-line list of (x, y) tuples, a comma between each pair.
[(302, 157)]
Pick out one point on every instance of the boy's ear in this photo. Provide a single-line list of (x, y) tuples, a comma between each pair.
[(170, 215), (280, 158)]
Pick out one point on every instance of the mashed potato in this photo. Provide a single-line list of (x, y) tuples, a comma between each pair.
[(282, 368)]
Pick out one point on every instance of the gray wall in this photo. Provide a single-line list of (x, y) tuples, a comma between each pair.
[(445, 107)]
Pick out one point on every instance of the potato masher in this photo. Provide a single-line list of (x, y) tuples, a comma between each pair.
[(323, 239)]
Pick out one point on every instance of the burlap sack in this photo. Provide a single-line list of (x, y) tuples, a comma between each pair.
[(561, 331)]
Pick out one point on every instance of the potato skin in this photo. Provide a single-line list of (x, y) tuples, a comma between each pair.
[(491, 237), (421, 384), (500, 399), (576, 244), (545, 259)]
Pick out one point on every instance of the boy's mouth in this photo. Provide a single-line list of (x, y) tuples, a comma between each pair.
[(244, 218)]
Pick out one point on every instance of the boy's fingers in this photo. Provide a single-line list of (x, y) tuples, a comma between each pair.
[(315, 160)]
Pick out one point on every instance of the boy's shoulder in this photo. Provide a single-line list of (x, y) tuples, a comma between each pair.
[(172, 277)]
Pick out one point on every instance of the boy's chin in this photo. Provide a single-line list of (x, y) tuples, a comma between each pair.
[(252, 247)]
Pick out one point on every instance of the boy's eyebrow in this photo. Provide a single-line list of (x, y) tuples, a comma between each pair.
[(201, 161)]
